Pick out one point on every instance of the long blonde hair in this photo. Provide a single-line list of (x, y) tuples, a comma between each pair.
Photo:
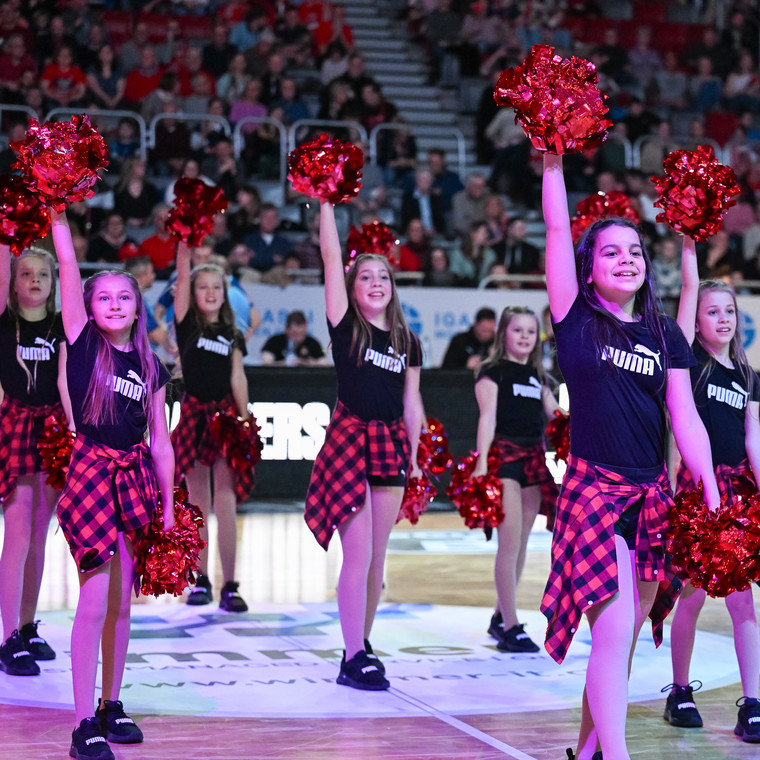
[(100, 406), (399, 333)]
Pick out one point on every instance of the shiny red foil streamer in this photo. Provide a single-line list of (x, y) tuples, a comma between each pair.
[(191, 218), (600, 206)]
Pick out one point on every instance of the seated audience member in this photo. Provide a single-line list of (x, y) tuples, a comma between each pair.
[(472, 258), (243, 216), (172, 149), (438, 274), (222, 168), (134, 196), (469, 205), (424, 204), (161, 246), (123, 145), (105, 80), (63, 82), (414, 254), (144, 79), (104, 247), (520, 256), (467, 350), (14, 61), (268, 247), (295, 347)]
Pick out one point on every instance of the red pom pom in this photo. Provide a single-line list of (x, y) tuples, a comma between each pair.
[(558, 433), (326, 168), (718, 551), (696, 192), (55, 445), (373, 238), (556, 101), (23, 216), (600, 206), (433, 453), (418, 494), (479, 500), (60, 160), (237, 439), (195, 205), (167, 560)]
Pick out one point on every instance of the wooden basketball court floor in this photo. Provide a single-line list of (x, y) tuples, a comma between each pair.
[(455, 579)]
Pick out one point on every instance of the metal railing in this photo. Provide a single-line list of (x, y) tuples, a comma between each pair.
[(423, 131), (188, 117), (296, 125), (518, 279), (30, 112), (238, 139), (683, 142), (99, 113)]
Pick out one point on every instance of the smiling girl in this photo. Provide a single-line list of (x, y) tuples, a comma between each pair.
[(726, 392), (370, 444), (211, 351), (514, 402), (33, 376), (117, 392), (625, 365)]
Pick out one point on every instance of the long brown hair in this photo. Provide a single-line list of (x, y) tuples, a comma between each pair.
[(100, 406), (498, 351), (226, 315), (399, 333), (735, 347)]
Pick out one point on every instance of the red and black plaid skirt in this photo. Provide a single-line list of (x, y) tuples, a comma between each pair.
[(107, 492), (729, 479), (536, 472), (192, 442), (20, 428)]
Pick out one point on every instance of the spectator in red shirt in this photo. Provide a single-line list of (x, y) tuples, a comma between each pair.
[(13, 62), (143, 80), (63, 82), (313, 12), (332, 29), (192, 68), (161, 246)]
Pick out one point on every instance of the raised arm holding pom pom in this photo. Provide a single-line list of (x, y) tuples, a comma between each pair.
[(117, 392), (726, 392), (625, 365), (371, 442)]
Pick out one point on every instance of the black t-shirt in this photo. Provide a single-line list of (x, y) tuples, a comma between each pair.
[(721, 398), (206, 357), (40, 344), (519, 408), (127, 385), (373, 390), (617, 405), (278, 345)]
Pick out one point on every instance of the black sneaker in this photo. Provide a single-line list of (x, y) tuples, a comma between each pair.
[(37, 646), (201, 592), (360, 672), (88, 743), (115, 724), (496, 626), (516, 640), (231, 600), (15, 658), (372, 657), (748, 723), (680, 709)]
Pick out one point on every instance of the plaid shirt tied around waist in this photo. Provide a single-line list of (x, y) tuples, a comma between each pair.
[(338, 485), (584, 566), (193, 443), (106, 491), (20, 428), (536, 472), (727, 477)]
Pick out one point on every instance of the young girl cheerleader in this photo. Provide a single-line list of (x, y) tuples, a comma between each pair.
[(33, 375), (727, 392), (624, 364), (117, 392), (371, 442), (514, 401), (211, 352)]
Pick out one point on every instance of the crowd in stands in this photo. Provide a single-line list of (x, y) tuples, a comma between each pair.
[(284, 62)]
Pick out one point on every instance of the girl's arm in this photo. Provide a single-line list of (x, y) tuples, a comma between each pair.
[(182, 284), (690, 433), (752, 437), (549, 401), (239, 384), (487, 395), (687, 306), (63, 388), (5, 276), (336, 296), (561, 280), (162, 454), (413, 416), (72, 298)]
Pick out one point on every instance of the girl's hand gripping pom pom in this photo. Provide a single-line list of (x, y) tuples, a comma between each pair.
[(418, 494)]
